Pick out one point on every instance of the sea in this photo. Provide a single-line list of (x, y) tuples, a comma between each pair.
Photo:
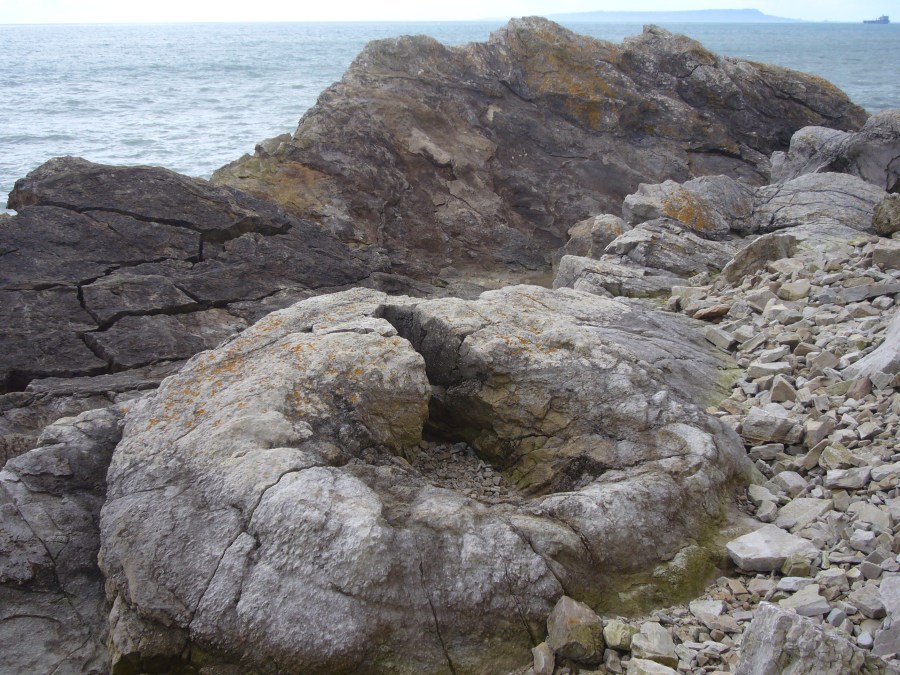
[(193, 97)]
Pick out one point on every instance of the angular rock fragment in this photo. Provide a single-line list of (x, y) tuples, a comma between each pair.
[(779, 641), (767, 548), (575, 631)]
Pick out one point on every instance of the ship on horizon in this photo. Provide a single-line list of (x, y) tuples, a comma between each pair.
[(881, 19)]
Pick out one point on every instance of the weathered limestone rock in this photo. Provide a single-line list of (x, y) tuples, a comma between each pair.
[(767, 548), (92, 244), (884, 359), (780, 641), (279, 457), (654, 643), (115, 268), (663, 244), (807, 602), (544, 659), (800, 512), (589, 237), (886, 220), (575, 631), (51, 591), (709, 206), (871, 153), (612, 279), (817, 199), (617, 634)]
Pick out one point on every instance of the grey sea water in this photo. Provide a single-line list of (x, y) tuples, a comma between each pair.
[(192, 97)]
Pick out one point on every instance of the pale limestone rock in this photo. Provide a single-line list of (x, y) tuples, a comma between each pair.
[(654, 643), (618, 634), (279, 457), (575, 631), (780, 641), (767, 548)]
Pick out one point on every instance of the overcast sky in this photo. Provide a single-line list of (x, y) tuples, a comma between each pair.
[(129, 11)]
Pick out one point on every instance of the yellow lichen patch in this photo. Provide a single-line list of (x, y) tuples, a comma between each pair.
[(297, 188), (686, 208)]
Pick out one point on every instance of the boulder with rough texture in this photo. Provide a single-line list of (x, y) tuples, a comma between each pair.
[(886, 220), (548, 128), (884, 359), (767, 548), (663, 244), (575, 631), (52, 605), (263, 510), (871, 153), (780, 641), (654, 643), (589, 237), (817, 200), (709, 206), (609, 278)]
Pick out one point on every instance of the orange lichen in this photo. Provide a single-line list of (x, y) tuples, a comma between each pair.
[(686, 208)]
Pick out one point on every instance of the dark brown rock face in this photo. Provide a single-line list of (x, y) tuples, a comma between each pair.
[(481, 157)]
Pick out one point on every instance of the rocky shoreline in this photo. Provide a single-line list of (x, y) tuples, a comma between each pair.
[(310, 418)]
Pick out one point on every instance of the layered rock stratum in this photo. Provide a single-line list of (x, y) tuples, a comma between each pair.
[(278, 423)]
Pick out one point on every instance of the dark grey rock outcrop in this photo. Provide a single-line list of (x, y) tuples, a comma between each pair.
[(115, 270), (481, 157)]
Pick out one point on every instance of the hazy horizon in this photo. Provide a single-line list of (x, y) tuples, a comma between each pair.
[(277, 11)]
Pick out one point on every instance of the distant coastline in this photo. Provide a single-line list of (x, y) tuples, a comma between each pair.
[(689, 16)]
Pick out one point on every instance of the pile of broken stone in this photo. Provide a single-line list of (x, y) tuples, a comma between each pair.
[(811, 321)]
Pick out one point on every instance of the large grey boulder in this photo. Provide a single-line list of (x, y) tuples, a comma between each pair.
[(816, 199), (709, 206), (884, 359), (781, 641), (263, 510), (52, 604), (664, 244), (612, 278), (871, 153), (110, 269)]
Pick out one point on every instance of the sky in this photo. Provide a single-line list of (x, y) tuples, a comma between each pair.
[(165, 11)]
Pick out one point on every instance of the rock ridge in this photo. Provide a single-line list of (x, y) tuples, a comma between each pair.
[(493, 149)]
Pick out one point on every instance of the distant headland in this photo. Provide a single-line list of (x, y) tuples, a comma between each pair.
[(692, 16)]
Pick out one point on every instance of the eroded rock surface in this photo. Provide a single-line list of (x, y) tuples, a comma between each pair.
[(111, 269), (872, 153), (494, 150), (315, 546), (52, 604)]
